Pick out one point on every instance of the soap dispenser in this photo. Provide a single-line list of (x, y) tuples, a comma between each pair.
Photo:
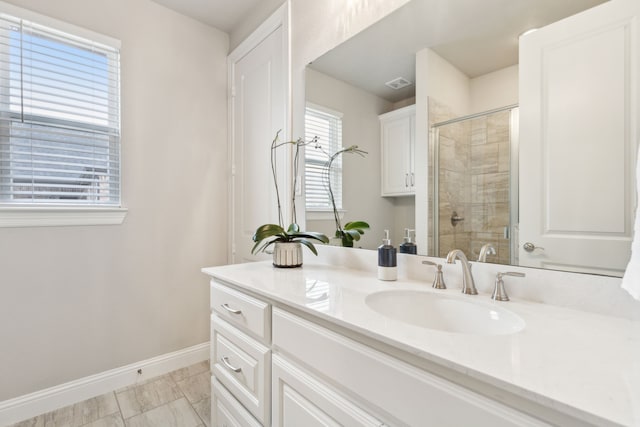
[(387, 260), (408, 246)]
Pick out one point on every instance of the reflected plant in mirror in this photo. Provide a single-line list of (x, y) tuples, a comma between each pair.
[(351, 231)]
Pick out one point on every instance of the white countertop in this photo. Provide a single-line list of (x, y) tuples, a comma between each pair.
[(583, 364)]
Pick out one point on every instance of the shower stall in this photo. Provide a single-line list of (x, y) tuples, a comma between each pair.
[(473, 194)]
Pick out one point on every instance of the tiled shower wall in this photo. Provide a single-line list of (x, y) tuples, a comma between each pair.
[(474, 165)]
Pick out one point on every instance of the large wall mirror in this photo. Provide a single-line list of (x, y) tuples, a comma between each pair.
[(461, 62)]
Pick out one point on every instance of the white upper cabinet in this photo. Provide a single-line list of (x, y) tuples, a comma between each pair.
[(579, 98), (397, 130)]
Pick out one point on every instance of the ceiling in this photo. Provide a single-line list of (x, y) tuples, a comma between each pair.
[(225, 15), (477, 37)]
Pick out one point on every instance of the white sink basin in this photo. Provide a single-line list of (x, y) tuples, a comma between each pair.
[(443, 313)]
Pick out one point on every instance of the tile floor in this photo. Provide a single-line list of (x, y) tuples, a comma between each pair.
[(178, 399)]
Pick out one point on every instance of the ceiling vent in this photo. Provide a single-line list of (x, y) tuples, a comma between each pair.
[(398, 83)]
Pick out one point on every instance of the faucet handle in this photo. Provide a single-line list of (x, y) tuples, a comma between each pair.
[(499, 293), (438, 281)]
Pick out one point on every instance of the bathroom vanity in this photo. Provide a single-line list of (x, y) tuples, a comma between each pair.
[(329, 345)]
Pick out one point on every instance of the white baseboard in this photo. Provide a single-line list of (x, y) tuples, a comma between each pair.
[(39, 402)]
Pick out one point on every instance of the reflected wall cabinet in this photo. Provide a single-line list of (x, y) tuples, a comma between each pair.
[(397, 132)]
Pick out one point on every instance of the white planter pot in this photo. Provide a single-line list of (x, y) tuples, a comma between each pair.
[(287, 254)]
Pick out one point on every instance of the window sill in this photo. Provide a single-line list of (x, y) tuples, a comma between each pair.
[(323, 215), (50, 216)]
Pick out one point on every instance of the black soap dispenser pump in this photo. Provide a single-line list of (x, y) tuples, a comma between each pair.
[(408, 246), (387, 260)]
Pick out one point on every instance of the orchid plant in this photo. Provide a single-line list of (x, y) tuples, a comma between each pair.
[(269, 234)]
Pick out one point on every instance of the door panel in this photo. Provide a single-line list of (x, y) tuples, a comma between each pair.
[(258, 111), (578, 140)]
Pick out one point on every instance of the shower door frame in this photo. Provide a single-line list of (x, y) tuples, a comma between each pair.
[(434, 175)]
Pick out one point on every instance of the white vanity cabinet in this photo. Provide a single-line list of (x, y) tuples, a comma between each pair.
[(240, 358), (397, 131), (272, 367)]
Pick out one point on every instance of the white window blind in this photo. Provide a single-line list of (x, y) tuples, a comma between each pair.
[(326, 125), (59, 117)]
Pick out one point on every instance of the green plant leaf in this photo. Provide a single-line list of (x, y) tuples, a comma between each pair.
[(361, 225), (262, 245), (266, 235), (293, 228), (310, 245), (310, 235), (268, 230)]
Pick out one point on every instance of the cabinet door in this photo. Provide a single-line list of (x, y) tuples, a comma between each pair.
[(579, 98), (301, 400), (400, 393), (397, 135)]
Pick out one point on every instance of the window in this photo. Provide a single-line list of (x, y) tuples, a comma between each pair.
[(326, 125), (59, 118)]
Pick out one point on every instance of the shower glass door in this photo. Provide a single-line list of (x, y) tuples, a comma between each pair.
[(474, 193)]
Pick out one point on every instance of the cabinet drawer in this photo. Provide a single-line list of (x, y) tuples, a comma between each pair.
[(226, 411), (414, 397), (249, 314), (243, 365)]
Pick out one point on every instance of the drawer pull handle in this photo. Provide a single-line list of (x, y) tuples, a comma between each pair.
[(225, 360), (231, 310)]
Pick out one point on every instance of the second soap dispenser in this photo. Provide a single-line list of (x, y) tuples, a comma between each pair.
[(387, 259), (408, 246)]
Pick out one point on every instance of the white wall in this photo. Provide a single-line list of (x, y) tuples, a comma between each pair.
[(76, 301), (494, 90), (361, 176), (445, 83), (262, 10), (450, 86)]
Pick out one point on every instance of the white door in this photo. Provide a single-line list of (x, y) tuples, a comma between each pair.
[(578, 139), (258, 110)]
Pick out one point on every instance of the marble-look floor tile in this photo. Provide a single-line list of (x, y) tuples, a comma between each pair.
[(197, 387), (174, 414), (75, 415), (190, 371), (148, 396), (114, 409), (113, 420), (203, 409), (93, 409)]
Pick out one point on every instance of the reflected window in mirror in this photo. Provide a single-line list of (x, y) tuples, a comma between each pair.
[(325, 125)]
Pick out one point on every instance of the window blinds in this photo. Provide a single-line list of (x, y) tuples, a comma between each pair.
[(59, 117), (327, 127)]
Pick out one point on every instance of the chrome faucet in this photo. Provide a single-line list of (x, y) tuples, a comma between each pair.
[(468, 286), (485, 250)]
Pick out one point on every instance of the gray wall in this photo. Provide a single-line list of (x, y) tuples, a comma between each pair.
[(75, 301)]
